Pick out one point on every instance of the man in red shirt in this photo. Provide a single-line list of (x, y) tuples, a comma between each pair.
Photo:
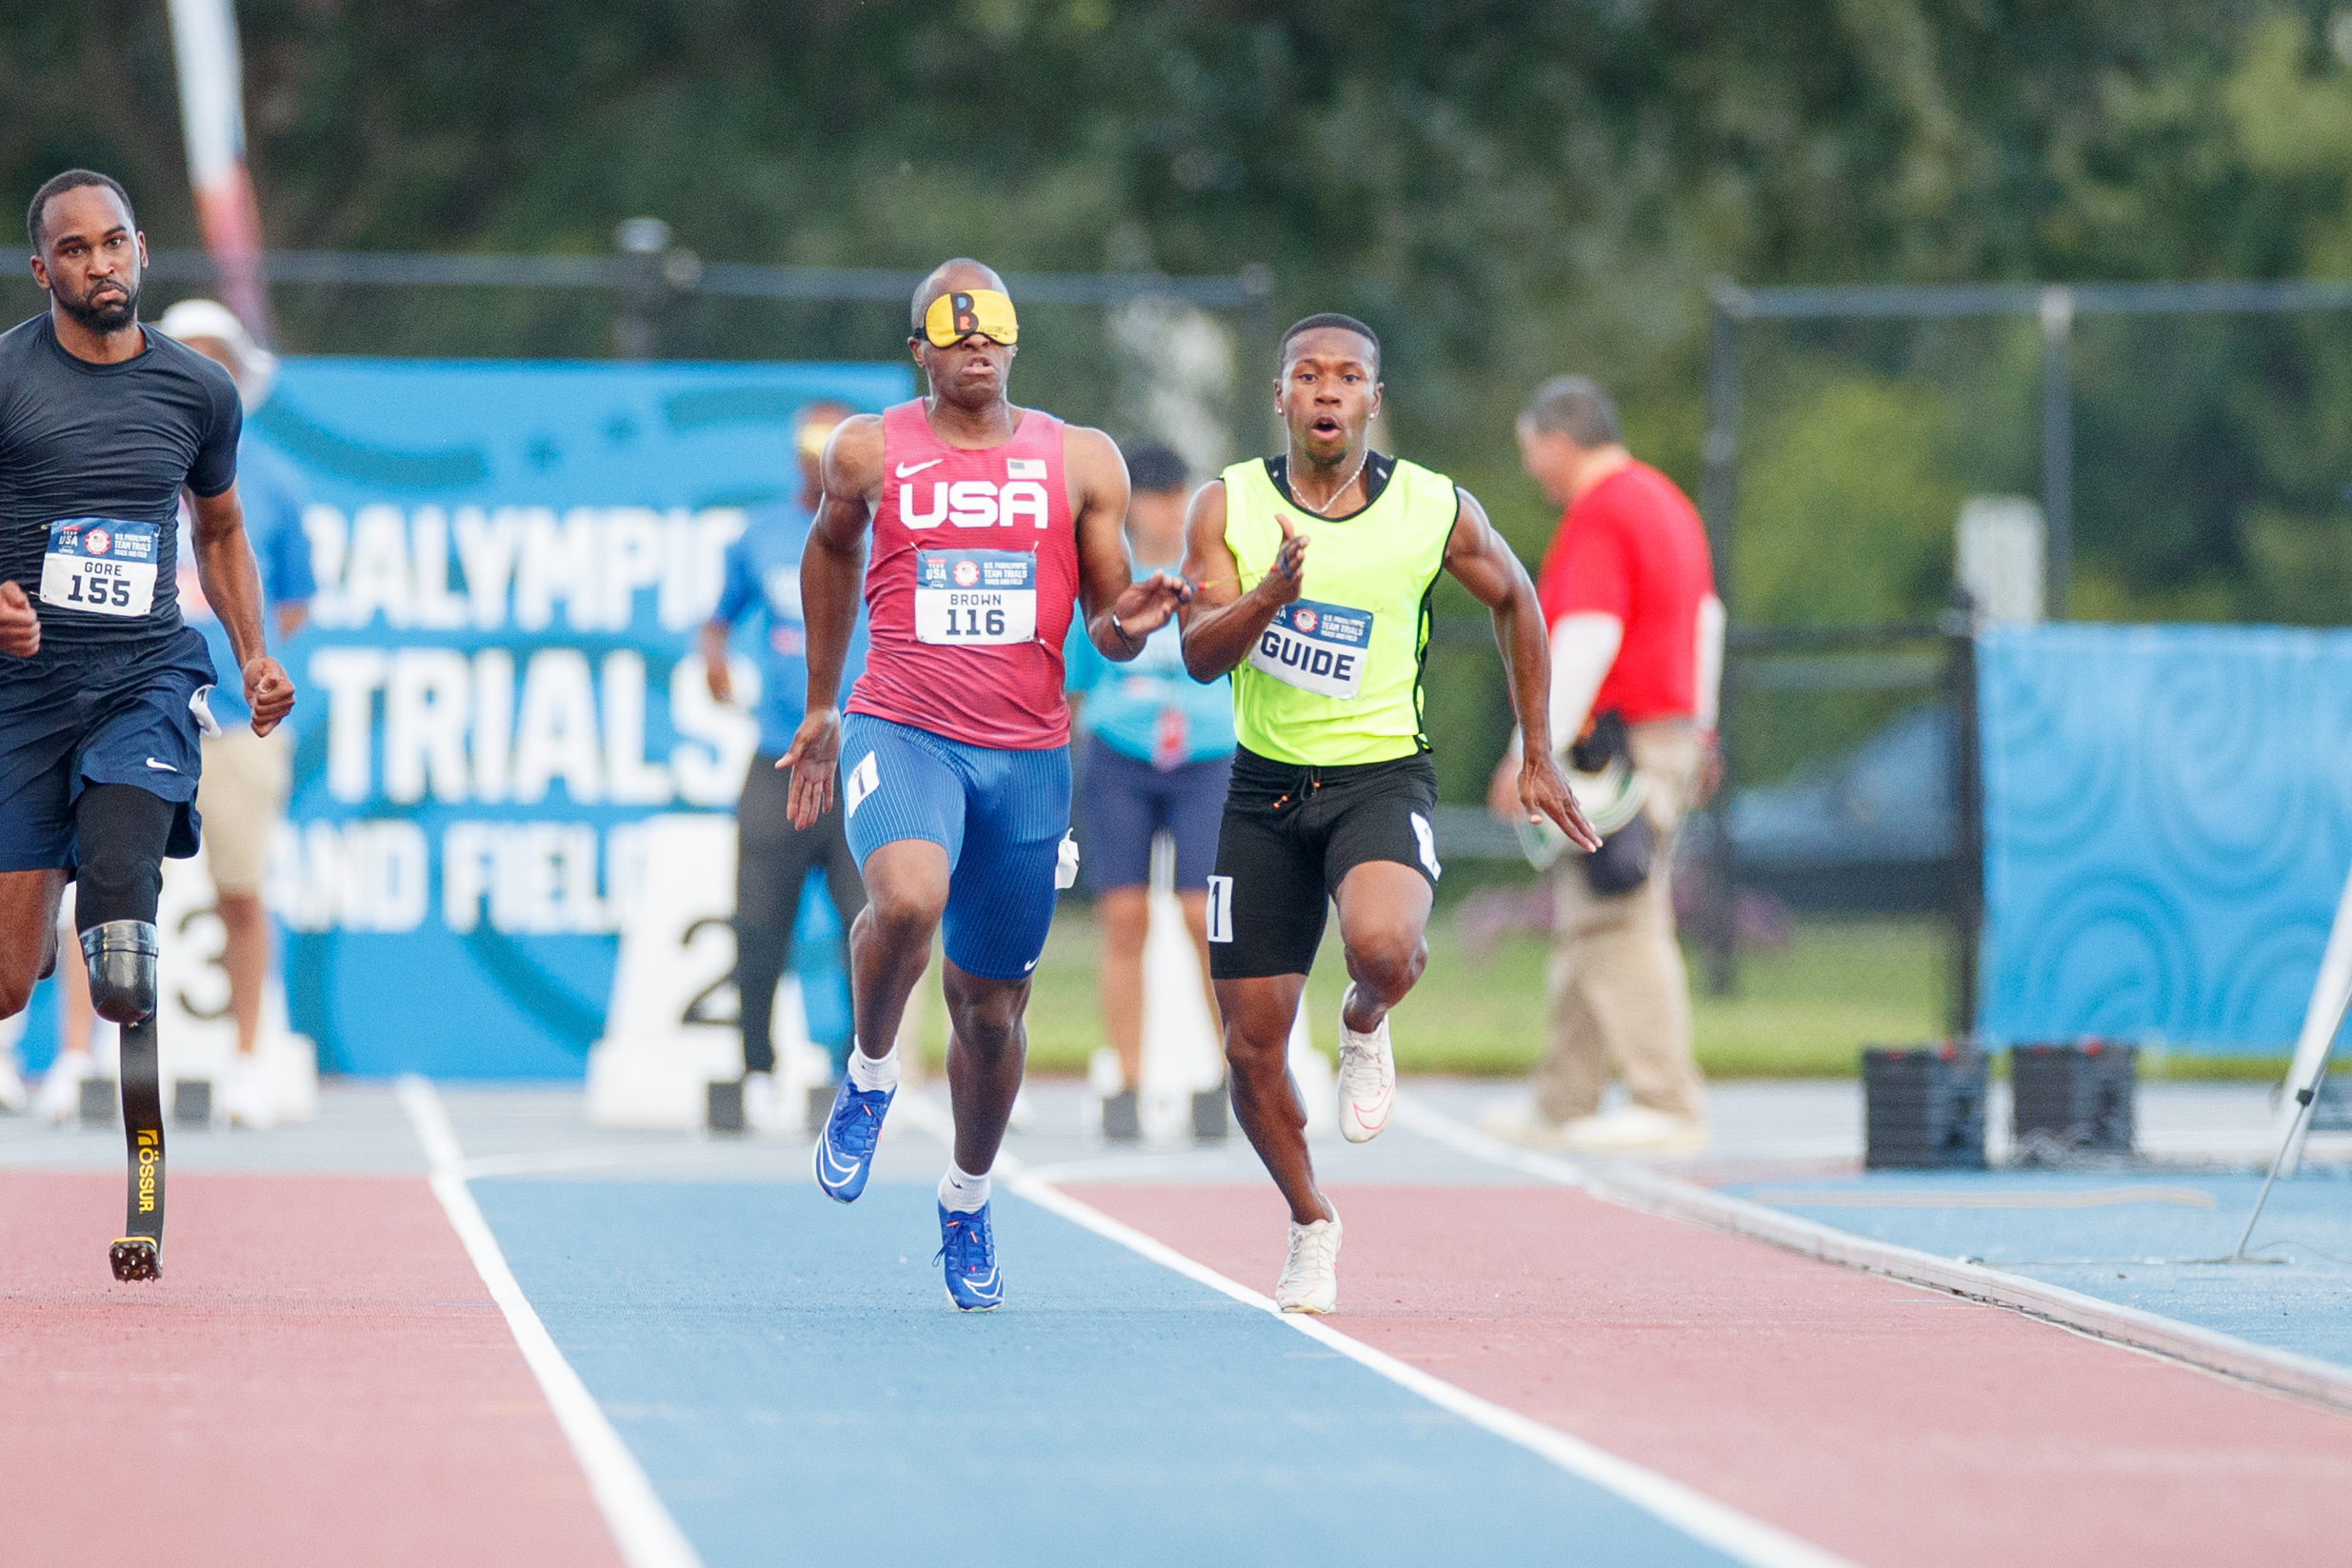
[(1629, 593)]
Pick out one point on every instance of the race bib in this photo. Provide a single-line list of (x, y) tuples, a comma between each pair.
[(100, 565), (975, 598), (1315, 647)]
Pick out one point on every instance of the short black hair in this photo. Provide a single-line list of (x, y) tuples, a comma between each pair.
[(1329, 318), (57, 185), (1155, 466), (1576, 408)]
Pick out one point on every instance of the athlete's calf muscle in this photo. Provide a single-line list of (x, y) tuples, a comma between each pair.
[(27, 933)]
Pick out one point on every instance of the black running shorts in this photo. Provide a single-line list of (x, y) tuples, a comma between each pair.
[(1288, 835)]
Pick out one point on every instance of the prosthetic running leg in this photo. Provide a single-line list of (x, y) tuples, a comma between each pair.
[(121, 989)]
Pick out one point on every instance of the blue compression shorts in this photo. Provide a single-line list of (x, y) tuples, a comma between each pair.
[(1000, 816), (102, 715)]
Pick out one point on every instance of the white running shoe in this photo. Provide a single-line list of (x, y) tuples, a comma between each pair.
[(246, 1100), (1310, 1274), (12, 1092), (1367, 1079), (60, 1099)]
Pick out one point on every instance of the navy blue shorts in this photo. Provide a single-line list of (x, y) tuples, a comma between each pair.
[(1000, 816), (1122, 804), (125, 716)]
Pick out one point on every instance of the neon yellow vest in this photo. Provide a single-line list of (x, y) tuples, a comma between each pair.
[(1336, 677)]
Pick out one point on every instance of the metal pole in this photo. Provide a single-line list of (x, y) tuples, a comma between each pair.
[(1718, 492), (2058, 442), (642, 240), (1256, 280), (1968, 815)]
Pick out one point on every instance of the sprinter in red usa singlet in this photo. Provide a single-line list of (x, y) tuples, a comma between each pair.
[(991, 526)]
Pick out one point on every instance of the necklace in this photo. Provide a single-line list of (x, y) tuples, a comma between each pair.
[(1325, 511)]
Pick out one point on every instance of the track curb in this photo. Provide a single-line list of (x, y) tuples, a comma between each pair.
[(2279, 1370), (2224, 1355)]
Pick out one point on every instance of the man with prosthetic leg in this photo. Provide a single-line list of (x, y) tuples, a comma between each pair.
[(1314, 572), (990, 524), (102, 685)]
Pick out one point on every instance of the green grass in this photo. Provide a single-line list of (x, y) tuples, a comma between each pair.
[(1804, 1011)]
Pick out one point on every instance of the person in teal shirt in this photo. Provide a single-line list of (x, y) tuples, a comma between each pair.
[(1155, 756)]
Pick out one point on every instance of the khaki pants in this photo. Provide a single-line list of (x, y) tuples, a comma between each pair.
[(241, 795), (1619, 996)]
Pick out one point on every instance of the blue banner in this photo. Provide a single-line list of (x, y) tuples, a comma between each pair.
[(498, 682), (2168, 824)]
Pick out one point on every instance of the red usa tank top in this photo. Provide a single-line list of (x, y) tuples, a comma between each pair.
[(971, 585)]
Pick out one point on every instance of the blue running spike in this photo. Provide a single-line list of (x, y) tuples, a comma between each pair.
[(845, 1153), (970, 1247)]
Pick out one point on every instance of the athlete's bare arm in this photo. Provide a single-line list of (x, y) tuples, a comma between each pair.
[(1119, 613), (233, 588), (1222, 622), (1480, 562), (832, 568)]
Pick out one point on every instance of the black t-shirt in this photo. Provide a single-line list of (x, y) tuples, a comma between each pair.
[(116, 443)]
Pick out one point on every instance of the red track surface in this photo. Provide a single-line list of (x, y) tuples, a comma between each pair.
[(319, 1376), (1885, 1423)]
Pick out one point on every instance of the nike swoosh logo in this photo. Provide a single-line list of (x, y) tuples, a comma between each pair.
[(984, 1288), (907, 470), (161, 767), (841, 1172)]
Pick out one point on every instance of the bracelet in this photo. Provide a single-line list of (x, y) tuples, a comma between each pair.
[(1125, 641)]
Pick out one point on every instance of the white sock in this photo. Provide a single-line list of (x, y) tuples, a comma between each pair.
[(961, 1194), (868, 1073)]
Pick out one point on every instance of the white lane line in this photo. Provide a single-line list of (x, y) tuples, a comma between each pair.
[(641, 1526), (1700, 1517)]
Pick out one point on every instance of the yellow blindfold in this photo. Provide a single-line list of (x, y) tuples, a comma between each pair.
[(954, 317)]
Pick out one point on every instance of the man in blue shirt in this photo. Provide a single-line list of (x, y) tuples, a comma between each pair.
[(774, 858), (1157, 756), (246, 776)]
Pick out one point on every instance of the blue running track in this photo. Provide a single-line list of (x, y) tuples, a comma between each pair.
[(791, 1375)]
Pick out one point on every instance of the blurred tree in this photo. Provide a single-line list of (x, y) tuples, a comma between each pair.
[(1506, 188)]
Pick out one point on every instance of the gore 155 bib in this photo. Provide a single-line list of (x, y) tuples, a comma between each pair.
[(101, 564), (975, 598), (1315, 647)]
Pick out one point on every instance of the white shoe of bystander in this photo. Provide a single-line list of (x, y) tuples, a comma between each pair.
[(246, 1100), (60, 1099), (762, 1111), (1634, 1129)]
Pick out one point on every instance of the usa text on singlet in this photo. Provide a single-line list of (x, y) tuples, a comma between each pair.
[(971, 585)]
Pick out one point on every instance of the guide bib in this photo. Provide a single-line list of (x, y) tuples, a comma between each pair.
[(975, 598), (101, 564), (1316, 647), (1334, 679)]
